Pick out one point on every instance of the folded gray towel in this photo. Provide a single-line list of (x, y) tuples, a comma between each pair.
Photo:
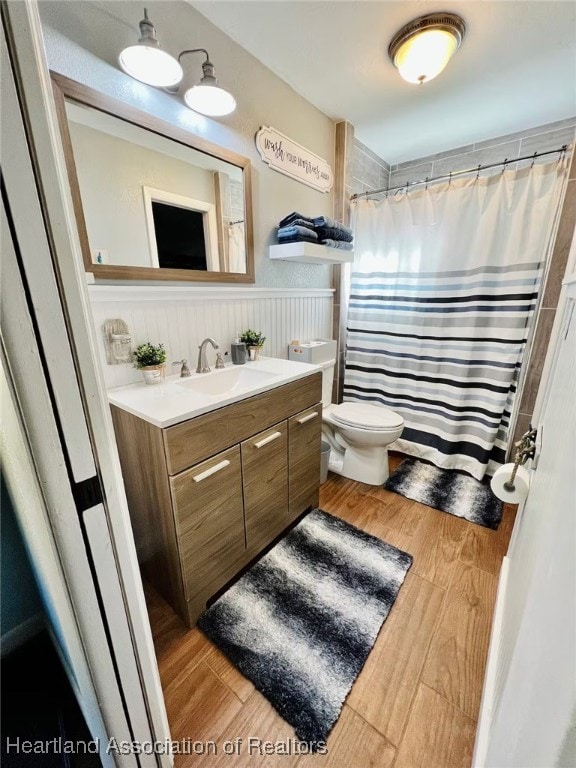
[(326, 221), (294, 229), (342, 245), (297, 218), (334, 233)]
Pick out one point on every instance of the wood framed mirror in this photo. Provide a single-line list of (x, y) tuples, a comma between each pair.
[(152, 201)]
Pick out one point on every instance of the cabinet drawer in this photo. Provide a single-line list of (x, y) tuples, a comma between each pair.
[(265, 474), (210, 521), (196, 439), (304, 436)]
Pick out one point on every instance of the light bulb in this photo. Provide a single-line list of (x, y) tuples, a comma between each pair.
[(210, 100), (151, 65), (424, 56)]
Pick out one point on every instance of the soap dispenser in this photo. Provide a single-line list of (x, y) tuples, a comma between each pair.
[(239, 353)]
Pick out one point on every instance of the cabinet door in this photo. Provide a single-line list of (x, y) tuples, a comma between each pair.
[(304, 435), (209, 519), (265, 477)]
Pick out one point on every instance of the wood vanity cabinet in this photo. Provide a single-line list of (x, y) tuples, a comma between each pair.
[(207, 495)]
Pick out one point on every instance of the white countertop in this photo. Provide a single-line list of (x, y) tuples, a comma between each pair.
[(171, 402)]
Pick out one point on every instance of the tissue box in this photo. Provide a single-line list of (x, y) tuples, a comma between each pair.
[(313, 351)]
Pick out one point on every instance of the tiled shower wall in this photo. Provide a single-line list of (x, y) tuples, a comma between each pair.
[(182, 323), (540, 139), (368, 170)]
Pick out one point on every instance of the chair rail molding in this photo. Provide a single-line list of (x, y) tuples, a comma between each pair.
[(107, 293)]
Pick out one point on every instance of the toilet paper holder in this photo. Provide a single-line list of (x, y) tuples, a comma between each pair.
[(525, 449)]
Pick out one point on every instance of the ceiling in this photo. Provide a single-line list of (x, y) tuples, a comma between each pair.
[(516, 68)]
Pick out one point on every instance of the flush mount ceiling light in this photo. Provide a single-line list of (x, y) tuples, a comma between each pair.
[(149, 64), (424, 46)]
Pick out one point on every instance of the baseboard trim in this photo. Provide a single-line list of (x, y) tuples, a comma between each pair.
[(17, 636), (489, 690)]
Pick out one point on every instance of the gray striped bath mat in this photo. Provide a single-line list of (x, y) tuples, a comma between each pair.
[(448, 491), (302, 621)]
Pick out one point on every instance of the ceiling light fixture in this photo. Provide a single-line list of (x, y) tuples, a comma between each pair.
[(149, 64), (424, 46)]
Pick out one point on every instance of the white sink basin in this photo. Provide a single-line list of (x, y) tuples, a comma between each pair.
[(218, 383), (175, 400)]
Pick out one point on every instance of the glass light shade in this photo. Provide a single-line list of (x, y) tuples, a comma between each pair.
[(425, 55), (210, 100), (151, 65)]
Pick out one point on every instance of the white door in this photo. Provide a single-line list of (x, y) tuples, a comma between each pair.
[(528, 716), (56, 391)]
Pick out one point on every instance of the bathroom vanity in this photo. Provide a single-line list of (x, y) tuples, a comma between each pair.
[(215, 468)]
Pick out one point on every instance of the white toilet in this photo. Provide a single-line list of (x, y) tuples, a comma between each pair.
[(358, 433)]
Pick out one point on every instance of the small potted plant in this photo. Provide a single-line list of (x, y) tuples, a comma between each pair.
[(151, 360), (254, 341)]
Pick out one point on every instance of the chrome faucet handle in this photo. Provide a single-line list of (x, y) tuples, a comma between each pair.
[(219, 361), (184, 371)]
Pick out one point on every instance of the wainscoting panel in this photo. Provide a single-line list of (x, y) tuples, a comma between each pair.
[(180, 323)]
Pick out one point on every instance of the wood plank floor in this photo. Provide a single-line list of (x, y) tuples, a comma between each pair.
[(414, 705)]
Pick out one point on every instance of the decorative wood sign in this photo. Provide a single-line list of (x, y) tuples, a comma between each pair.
[(292, 159)]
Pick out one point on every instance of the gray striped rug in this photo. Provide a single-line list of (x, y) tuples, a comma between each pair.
[(448, 491), (302, 621)]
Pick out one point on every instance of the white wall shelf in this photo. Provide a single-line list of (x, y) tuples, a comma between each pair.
[(310, 253)]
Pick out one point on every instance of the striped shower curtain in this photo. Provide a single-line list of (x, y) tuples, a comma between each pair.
[(443, 288)]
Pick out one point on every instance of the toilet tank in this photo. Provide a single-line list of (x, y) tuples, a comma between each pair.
[(327, 381), (320, 352)]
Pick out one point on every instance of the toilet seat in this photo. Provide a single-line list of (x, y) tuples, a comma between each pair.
[(365, 416)]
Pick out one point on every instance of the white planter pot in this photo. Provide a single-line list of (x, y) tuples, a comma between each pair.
[(153, 374)]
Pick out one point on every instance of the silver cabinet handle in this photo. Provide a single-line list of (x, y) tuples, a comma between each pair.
[(310, 416), (211, 471), (269, 439)]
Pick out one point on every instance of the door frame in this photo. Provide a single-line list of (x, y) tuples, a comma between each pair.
[(68, 420)]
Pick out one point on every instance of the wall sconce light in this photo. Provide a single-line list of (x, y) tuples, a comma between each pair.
[(424, 46), (148, 63)]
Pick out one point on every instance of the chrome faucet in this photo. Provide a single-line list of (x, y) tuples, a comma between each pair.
[(202, 366)]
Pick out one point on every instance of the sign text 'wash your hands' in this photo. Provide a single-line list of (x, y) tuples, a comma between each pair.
[(286, 156)]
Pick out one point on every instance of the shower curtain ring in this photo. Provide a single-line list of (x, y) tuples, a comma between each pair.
[(450, 178), (478, 171), (534, 156), (426, 184), (504, 164)]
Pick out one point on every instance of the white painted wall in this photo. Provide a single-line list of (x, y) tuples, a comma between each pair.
[(111, 174)]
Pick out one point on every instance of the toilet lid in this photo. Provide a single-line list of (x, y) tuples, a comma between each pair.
[(367, 416)]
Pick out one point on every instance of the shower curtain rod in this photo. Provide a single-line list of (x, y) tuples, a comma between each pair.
[(451, 175)]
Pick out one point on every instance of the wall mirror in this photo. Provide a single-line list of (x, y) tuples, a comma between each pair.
[(152, 201)]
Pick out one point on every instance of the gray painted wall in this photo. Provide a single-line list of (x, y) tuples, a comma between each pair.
[(83, 40)]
